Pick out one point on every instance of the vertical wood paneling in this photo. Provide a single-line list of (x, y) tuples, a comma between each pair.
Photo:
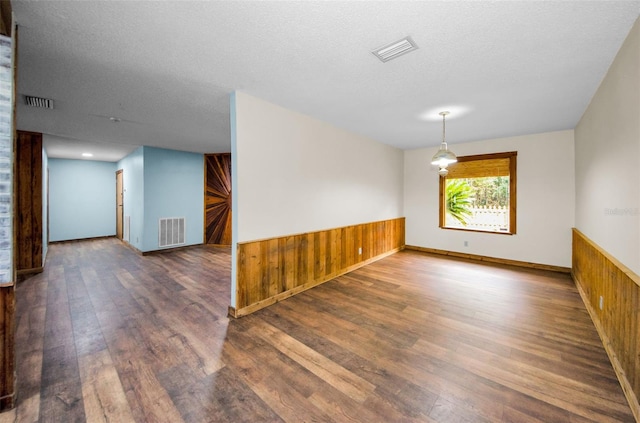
[(597, 274), (28, 180), (273, 269), (7, 358), (7, 289)]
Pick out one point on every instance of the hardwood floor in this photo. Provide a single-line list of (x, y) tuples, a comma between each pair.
[(107, 335)]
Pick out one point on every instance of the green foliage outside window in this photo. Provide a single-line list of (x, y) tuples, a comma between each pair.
[(464, 194), (460, 197), (490, 191)]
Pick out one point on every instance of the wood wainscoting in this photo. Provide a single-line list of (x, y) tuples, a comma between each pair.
[(273, 269), (597, 274), (7, 351)]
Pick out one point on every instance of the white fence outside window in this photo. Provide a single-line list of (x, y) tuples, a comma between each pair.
[(495, 219)]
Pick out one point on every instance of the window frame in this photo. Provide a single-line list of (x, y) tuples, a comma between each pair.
[(512, 156)]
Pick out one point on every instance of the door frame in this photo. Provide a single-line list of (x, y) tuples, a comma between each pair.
[(119, 204)]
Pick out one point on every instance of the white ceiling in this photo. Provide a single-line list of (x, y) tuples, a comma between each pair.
[(166, 68)]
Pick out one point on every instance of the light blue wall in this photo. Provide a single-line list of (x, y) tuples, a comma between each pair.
[(45, 216), (133, 184), (173, 187), (82, 199), (162, 183)]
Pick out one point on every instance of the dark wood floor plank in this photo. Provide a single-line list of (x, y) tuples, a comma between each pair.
[(102, 393), (104, 334)]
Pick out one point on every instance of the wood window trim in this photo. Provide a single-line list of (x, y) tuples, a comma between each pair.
[(512, 156)]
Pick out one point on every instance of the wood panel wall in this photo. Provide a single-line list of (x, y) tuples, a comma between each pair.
[(7, 346), (597, 273), (217, 199), (7, 290), (28, 180), (273, 269)]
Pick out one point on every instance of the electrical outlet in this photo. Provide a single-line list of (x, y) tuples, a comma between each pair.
[(466, 243), (601, 302), (360, 251)]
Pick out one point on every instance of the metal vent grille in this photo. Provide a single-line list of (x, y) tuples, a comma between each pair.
[(126, 230), (171, 231), (45, 103), (395, 49)]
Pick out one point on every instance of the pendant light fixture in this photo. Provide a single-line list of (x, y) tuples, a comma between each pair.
[(443, 157)]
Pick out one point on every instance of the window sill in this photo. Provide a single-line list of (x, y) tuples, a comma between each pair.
[(476, 230)]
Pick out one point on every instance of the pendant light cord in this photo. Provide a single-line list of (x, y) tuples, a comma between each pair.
[(443, 128)]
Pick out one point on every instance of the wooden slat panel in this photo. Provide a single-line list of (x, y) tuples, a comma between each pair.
[(598, 274), (273, 269), (217, 199), (7, 287), (28, 181), (7, 360), (479, 169)]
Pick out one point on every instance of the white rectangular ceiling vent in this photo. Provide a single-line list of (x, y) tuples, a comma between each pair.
[(395, 49), (45, 103)]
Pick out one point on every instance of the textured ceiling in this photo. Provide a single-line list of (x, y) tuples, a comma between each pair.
[(166, 68)]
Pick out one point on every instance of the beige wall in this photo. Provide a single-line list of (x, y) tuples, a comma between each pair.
[(607, 144), (294, 174), (545, 201), (297, 174)]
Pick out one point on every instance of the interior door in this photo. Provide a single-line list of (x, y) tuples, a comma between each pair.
[(119, 204)]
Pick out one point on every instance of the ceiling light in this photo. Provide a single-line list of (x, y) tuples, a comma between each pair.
[(87, 155), (395, 49), (443, 156), (45, 103)]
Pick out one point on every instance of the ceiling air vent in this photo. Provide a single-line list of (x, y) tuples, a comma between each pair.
[(46, 103), (395, 49)]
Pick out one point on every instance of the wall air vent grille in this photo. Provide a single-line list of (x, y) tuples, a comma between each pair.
[(395, 49), (126, 230), (171, 231), (45, 103)]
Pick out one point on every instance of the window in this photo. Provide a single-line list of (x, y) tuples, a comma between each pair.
[(479, 194)]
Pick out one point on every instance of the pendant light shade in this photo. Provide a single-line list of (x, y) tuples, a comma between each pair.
[(443, 157)]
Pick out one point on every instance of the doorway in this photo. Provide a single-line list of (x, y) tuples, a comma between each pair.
[(119, 204)]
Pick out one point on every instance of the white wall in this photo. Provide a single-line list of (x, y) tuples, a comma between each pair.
[(545, 201), (294, 174), (608, 159), (297, 174)]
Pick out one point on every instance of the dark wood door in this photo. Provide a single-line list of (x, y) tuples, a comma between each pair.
[(217, 199), (119, 204), (28, 192)]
